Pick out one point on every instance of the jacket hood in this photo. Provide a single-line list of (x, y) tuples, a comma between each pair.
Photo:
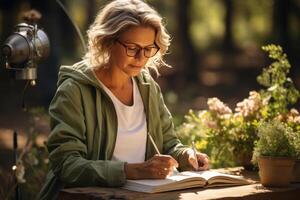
[(84, 74), (79, 72)]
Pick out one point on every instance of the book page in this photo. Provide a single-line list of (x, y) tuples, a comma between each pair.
[(186, 179), (173, 182), (180, 177), (222, 179), (213, 177)]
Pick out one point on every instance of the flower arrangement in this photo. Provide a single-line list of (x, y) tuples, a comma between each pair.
[(228, 136)]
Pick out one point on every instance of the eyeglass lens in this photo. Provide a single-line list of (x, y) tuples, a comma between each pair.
[(133, 50)]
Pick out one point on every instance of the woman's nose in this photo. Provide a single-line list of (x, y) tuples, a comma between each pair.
[(140, 55)]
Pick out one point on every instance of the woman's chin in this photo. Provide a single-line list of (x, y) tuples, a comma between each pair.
[(134, 72)]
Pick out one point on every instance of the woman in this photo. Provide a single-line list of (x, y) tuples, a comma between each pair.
[(106, 105)]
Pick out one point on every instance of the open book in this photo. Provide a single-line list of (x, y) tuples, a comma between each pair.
[(183, 180)]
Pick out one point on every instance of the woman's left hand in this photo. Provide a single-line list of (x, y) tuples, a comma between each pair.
[(199, 163)]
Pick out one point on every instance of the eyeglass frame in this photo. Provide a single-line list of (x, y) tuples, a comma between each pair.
[(139, 49)]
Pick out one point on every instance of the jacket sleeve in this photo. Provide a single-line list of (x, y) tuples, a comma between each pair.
[(67, 144), (171, 144)]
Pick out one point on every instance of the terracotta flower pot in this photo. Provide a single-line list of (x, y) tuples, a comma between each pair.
[(275, 171), (296, 172)]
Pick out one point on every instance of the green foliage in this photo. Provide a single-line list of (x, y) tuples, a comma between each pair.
[(295, 141), (32, 164), (34, 157), (275, 139), (280, 88), (35, 163), (228, 137)]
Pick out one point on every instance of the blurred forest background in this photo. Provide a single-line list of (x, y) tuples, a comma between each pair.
[(215, 52), (215, 47)]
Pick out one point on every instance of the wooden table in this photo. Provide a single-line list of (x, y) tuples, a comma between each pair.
[(246, 192)]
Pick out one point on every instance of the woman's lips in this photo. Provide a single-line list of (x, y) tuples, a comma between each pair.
[(135, 66)]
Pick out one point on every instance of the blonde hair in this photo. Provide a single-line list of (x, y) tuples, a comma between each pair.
[(115, 18)]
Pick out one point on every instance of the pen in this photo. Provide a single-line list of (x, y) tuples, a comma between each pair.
[(175, 171), (195, 154), (153, 143)]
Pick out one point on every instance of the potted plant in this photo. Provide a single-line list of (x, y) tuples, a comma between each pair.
[(293, 120), (275, 153), (296, 171)]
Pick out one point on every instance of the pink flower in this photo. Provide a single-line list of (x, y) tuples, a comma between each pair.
[(218, 106), (250, 105)]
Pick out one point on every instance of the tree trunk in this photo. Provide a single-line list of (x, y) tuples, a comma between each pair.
[(281, 23), (228, 41), (92, 11), (189, 55)]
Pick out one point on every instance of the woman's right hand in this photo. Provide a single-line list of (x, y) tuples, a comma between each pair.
[(158, 167)]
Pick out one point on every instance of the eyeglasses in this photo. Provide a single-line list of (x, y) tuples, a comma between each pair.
[(132, 50)]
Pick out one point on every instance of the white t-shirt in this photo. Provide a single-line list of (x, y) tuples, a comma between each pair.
[(132, 128)]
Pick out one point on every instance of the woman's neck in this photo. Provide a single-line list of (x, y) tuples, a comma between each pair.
[(112, 78)]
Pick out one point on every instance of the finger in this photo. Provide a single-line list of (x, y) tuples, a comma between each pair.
[(203, 161), (193, 162), (156, 173), (168, 169), (161, 165), (168, 160), (205, 167), (174, 162), (202, 156), (161, 174), (192, 159), (205, 164), (157, 168), (165, 164)]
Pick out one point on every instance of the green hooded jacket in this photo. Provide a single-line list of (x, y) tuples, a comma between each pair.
[(84, 128)]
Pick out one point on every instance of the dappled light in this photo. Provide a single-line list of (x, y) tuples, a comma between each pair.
[(221, 84)]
